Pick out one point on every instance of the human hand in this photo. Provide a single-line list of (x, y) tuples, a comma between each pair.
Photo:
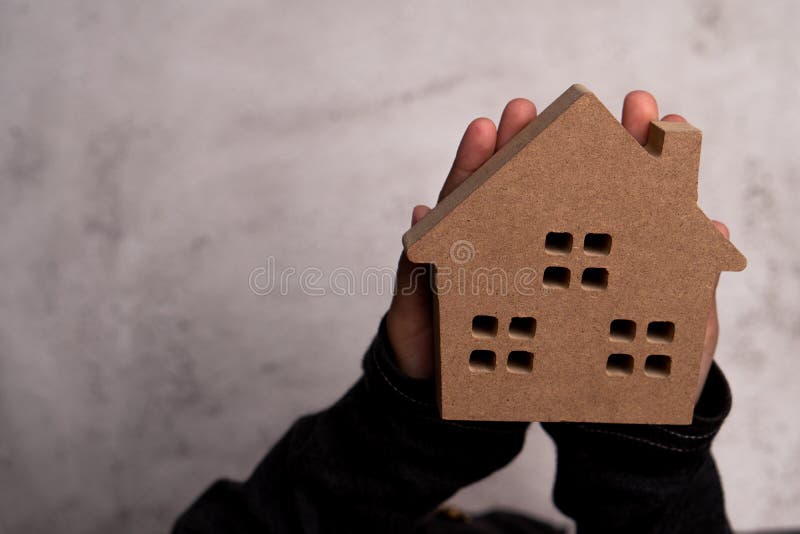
[(410, 318)]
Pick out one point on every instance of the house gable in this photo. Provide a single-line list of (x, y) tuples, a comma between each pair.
[(493, 164), (578, 128)]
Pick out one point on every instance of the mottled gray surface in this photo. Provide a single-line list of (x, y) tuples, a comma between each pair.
[(154, 153)]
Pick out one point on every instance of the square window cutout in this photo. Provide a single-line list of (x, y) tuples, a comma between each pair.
[(522, 327), (595, 279), (658, 366), (622, 330), (482, 361), (661, 332), (484, 326), (520, 361), (556, 277), (597, 244), (619, 365), (558, 243)]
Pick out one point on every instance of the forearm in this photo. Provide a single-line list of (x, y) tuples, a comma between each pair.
[(379, 460), (644, 479)]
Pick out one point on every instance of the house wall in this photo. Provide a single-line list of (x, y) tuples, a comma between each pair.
[(154, 154), (571, 343)]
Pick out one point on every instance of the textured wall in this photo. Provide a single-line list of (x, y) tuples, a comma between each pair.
[(152, 154)]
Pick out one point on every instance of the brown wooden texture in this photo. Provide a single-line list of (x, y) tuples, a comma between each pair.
[(628, 244)]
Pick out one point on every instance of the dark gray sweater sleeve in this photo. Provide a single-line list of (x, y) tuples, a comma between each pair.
[(644, 478), (379, 460)]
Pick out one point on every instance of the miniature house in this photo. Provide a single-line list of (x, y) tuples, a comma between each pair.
[(574, 274)]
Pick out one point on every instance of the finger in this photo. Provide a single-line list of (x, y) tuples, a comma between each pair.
[(712, 324), (418, 213), (411, 292), (475, 148), (722, 229), (409, 321), (638, 110), (672, 117), (517, 114)]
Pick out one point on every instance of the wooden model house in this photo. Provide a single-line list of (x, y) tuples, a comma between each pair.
[(574, 274)]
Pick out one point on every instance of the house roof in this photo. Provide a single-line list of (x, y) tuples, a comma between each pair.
[(670, 142)]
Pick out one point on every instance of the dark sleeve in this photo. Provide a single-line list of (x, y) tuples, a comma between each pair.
[(644, 479), (379, 460)]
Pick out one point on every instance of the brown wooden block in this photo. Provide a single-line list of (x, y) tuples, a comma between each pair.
[(574, 274)]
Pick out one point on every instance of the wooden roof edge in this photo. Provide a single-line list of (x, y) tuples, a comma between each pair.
[(727, 257), (493, 164)]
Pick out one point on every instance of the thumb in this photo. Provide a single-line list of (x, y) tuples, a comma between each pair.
[(411, 290), (409, 319)]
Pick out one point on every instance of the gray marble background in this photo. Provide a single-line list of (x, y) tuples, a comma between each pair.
[(153, 154)]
